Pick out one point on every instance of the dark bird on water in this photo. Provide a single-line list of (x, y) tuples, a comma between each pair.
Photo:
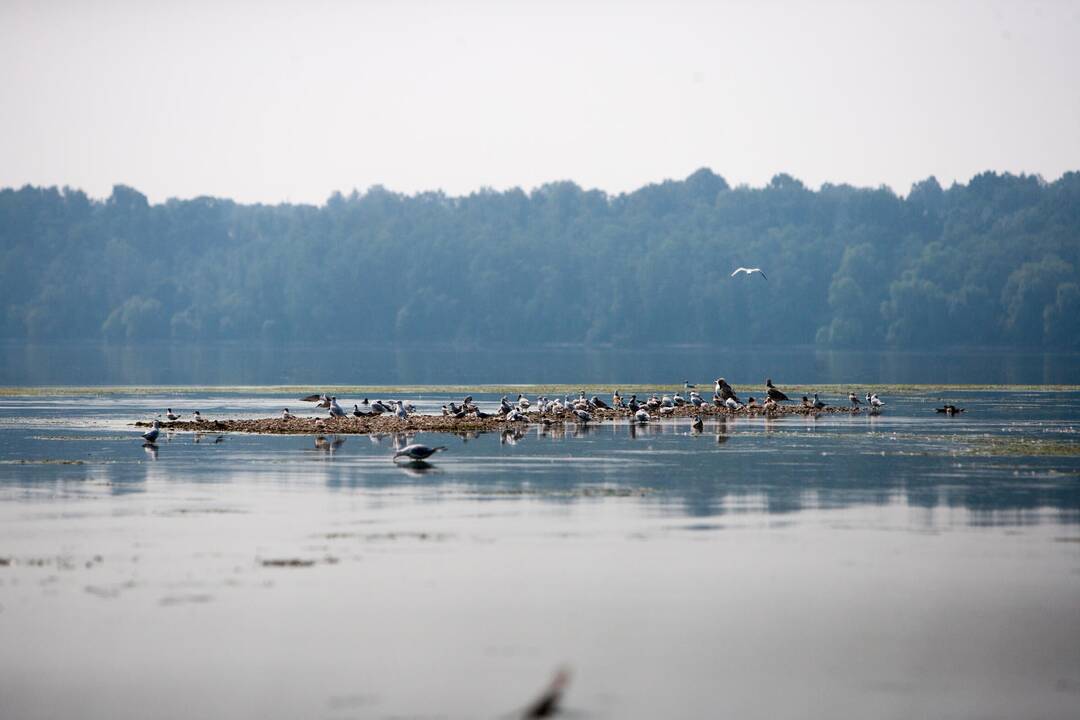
[(774, 394), (950, 409), (855, 402), (547, 704)]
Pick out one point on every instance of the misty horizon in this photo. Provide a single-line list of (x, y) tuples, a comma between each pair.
[(359, 192), (288, 102)]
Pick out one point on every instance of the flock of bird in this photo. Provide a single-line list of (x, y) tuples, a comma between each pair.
[(581, 409)]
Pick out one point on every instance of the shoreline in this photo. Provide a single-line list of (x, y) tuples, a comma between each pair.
[(374, 391)]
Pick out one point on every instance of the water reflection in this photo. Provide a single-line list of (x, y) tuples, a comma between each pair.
[(909, 455), (830, 543), (254, 363), (417, 468)]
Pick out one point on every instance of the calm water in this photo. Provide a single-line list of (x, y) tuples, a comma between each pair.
[(377, 363), (904, 565)]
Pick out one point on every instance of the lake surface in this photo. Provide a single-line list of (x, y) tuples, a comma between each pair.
[(372, 362), (901, 565)]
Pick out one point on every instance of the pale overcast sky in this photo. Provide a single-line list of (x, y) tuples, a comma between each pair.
[(271, 101)]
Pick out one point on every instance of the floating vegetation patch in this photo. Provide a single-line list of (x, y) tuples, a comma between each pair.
[(1022, 447), (185, 599), (587, 491), (202, 511), (699, 527), (43, 461), (109, 591), (389, 536), (287, 562), (297, 562), (93, 438)]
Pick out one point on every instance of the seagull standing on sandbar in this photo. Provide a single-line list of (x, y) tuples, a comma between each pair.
[(151, 435)]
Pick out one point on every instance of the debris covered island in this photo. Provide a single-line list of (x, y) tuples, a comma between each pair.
[(395, 416)]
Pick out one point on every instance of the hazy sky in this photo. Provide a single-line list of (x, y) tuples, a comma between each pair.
[(268, 101)]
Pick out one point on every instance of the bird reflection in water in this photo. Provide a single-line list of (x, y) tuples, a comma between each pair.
[(328, 445), (401, 440), (510, 436), (150, 449), (721, 432), (416, 468), (580, 429)]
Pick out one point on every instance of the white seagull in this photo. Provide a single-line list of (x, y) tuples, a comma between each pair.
[(151, 435), (748, 271), (417, 451)]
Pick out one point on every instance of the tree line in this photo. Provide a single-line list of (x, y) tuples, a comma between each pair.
[(989, 263)]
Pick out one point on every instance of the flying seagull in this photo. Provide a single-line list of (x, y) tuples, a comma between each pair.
[(748, 271)]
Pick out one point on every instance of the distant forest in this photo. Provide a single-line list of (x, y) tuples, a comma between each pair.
[(990, 263)]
